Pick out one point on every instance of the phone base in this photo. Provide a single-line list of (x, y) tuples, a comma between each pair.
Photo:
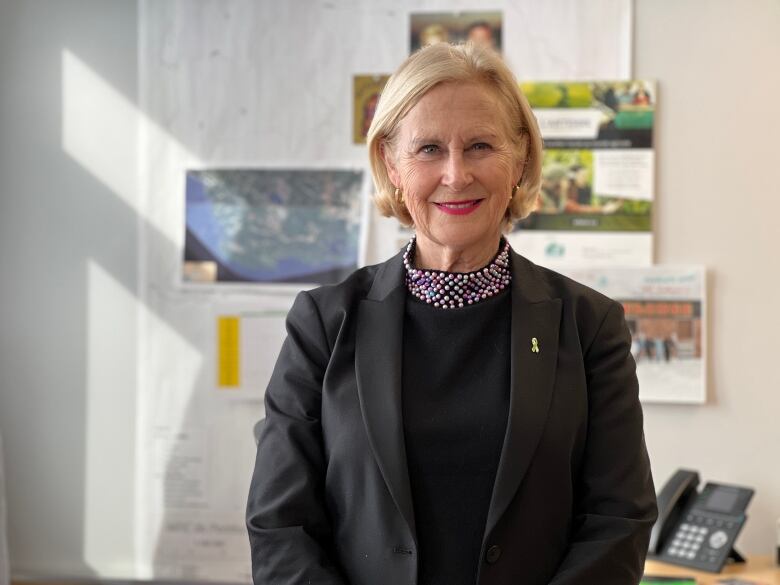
[(735, 557)]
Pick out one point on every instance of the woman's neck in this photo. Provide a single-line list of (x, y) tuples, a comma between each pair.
[(433, 256)]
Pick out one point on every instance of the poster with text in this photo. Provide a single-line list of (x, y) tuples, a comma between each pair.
[(665, 309), (272, 226), (598, 174)]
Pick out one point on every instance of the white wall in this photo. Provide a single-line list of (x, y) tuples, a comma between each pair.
[(716, 62), (68, 255)]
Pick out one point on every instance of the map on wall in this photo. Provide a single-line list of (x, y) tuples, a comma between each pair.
[(272, 225)]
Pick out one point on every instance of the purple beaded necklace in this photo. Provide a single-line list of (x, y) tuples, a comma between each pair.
[(451, 290)]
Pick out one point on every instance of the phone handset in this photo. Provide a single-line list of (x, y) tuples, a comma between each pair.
[(672, 500)]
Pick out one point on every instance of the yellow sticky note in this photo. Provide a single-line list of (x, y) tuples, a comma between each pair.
[(228, 352)]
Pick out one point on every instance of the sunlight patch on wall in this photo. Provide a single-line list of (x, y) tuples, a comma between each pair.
[(96, 119)]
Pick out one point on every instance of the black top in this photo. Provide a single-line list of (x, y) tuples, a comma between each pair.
[(455, 406)]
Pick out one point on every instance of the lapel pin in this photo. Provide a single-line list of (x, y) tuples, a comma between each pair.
[(534, 345)]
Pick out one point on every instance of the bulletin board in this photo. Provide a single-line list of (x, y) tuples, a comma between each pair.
[(259, 88)]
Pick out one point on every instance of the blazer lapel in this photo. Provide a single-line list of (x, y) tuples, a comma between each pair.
[(378, 357), (535, 316)]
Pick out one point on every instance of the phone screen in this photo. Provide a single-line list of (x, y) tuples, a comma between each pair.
[(722, 500)]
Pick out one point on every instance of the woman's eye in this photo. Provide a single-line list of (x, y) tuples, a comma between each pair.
[(429, 149), (480, 146)]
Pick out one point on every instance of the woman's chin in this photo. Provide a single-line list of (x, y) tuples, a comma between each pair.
[(461, 237)]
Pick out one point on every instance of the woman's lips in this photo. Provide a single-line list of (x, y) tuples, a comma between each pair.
[(458, 207)]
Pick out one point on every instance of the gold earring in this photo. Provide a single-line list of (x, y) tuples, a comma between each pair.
[(515, 188), (399, 195)]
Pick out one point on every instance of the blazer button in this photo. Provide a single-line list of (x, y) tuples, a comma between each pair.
[(493, 554)]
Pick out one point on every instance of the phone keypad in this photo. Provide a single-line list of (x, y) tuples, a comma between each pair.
[(701, 539), (687, 541)]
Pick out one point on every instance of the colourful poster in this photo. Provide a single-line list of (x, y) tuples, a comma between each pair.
[(366, 90), (598, 174), (453, 27), (665, 308)]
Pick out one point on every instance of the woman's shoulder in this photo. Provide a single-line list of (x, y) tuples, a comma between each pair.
[(333, 301), (354, 286)]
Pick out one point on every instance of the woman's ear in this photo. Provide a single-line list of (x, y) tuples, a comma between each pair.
[(389, 159), (521, 160), (519, 168)]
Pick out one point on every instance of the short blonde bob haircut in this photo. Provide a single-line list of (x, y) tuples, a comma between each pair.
[(463, 63)]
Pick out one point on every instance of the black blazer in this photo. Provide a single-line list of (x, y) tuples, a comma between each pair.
[(330, 500)]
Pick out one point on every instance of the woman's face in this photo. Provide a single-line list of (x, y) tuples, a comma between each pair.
[(455, 164)]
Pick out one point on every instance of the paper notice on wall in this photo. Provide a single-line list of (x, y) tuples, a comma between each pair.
[(196, 442), (263, 333), (623, 173), (202, 547), (200, 494), (259, 337), (567, 250)]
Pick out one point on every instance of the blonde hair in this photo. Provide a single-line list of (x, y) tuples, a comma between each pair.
[(462, 63)]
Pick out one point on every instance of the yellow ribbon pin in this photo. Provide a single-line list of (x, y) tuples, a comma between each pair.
[(534, 345)]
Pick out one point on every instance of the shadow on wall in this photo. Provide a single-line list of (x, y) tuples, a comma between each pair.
[(56, 220), (4, 566), (70, 237)]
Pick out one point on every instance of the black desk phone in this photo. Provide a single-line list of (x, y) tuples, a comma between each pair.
[(698, 529)]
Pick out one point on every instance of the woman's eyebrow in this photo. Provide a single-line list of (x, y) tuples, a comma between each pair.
[(490, 136), (422, 140)]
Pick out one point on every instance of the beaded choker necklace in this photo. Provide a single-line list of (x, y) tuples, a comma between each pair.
[(451, 290)]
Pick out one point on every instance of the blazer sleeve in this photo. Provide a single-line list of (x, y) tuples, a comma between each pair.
[(615, 507), (289, 530)]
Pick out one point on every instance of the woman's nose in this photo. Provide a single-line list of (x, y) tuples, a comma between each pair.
[(457, 174)]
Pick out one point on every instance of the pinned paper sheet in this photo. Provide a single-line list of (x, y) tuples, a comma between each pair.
[(246, 345), (228, 352)]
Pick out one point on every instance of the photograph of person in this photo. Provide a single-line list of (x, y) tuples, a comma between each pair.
[(366, 90), (455, 414), (567, 178), (664, 331), (482, 28)]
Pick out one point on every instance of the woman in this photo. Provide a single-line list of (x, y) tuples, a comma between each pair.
[(455, 415)]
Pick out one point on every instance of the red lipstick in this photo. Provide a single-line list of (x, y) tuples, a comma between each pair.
[(458, 207)]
